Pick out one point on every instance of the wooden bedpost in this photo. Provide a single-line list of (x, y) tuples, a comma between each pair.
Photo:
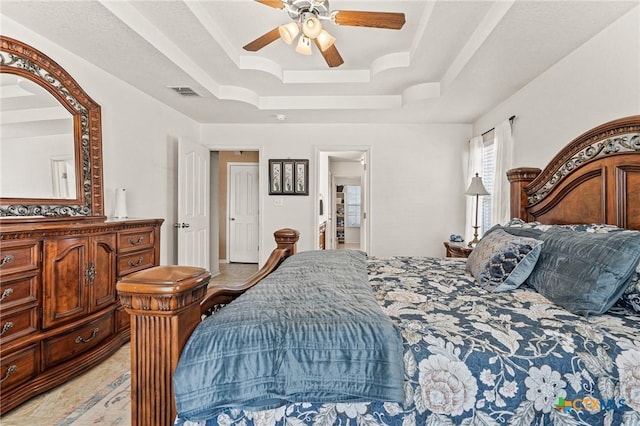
[(164, 304), (287, 238), (519, 178)]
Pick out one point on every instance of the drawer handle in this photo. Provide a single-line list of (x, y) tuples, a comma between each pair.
[(8, 258), (79, 339), (135, 243), (6, 293), (133, 263), (6, 327), (12, 369)]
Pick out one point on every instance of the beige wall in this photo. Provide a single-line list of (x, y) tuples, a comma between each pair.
[(225, 158)]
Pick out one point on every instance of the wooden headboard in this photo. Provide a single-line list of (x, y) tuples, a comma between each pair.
[(594, 179)]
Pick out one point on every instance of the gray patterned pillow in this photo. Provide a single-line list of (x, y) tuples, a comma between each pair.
[(631, 296), (598, 228), (502, 261)]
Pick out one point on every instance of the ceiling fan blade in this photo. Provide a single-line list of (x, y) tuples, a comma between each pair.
[(263, 40), (354, 18), (278, 4), (331, 55)]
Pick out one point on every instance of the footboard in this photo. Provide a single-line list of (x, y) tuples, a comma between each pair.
[(166, 303)]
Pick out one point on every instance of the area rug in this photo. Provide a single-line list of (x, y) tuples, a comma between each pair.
[(111, 405)]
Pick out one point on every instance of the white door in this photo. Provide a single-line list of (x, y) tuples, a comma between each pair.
[(193, 204), (243, 213)]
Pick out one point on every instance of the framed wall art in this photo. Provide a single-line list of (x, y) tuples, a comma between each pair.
[(288, 177)]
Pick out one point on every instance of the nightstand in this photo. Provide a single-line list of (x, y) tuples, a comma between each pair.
[(457, 249)]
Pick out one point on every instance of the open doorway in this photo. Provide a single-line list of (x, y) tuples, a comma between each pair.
[(348, 212), (342, 190), (236, 203)]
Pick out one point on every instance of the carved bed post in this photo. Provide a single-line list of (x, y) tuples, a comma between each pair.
[(287, 238), (519, 178), (164, 304)]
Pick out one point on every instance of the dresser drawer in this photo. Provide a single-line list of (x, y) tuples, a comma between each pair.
[(18, 290), (18, 324), (66, 346), (139, 239), (136, 262), (18, 367), (18, 257)]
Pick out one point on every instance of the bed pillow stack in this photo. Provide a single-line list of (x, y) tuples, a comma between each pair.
[(585, 268), (501, 261)]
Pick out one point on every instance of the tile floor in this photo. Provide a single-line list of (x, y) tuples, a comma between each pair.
[(45, 409)]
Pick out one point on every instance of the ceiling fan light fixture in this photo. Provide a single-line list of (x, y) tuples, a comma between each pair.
[(311, 27), (288, 32), (304, 46), (325, 40)]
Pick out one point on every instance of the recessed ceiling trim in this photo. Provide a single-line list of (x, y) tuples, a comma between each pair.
[(488, 24), (420, 92), (424, 21), (390, 61), (259, 63), (130, 16), (237, 93), (330, 102), (327, 76), (212, 27)]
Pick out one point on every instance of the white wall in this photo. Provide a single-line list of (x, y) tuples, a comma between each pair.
[(598, 82), (139, 137), (416, 182)]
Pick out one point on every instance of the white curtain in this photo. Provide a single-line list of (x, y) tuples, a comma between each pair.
[(474, 166), (503, 150)]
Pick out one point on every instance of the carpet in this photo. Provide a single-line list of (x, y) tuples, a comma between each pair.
[(111, 405)]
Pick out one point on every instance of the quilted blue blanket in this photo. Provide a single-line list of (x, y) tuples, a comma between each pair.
[(311, 331), (477, 358)]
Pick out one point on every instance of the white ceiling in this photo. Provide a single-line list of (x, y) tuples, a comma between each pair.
[(451, 62)]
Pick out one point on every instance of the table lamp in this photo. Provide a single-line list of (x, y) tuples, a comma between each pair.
[(476, 189)]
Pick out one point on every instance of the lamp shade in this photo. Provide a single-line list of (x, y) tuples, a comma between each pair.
[(311, 27), (476, 187), (325, 40), (304, 46), (289, 31)]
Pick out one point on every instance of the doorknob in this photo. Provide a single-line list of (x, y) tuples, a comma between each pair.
[(233, 218), (181, 225)]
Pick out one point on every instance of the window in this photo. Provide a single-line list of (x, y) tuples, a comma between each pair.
[(488, 167), (353, 206)]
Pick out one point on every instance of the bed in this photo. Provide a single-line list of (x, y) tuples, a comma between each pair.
[(511, 350)]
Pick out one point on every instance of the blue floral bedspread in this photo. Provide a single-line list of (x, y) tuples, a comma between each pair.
[(477, 358)]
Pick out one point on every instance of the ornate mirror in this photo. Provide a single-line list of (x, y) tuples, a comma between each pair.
[(50, 139)]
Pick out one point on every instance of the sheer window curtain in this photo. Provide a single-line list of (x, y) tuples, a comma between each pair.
[(503, 149), (474, 166)]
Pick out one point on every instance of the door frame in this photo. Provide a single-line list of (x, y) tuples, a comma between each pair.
[(365, 241), (227, 207), (262, 192)]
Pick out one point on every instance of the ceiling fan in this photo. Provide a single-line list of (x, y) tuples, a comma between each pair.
[(306, 16)]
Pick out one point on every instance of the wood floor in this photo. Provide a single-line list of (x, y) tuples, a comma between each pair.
[(47, 408)]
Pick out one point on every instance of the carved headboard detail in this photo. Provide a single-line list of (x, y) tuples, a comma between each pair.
[(589, 181)]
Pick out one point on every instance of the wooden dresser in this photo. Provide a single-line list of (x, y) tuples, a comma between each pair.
[(59, 313)]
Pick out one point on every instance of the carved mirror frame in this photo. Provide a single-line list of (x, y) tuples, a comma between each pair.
[(21, 59)]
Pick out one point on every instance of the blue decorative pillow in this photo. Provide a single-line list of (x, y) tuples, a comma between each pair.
[(585, 272), (501, 261)]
